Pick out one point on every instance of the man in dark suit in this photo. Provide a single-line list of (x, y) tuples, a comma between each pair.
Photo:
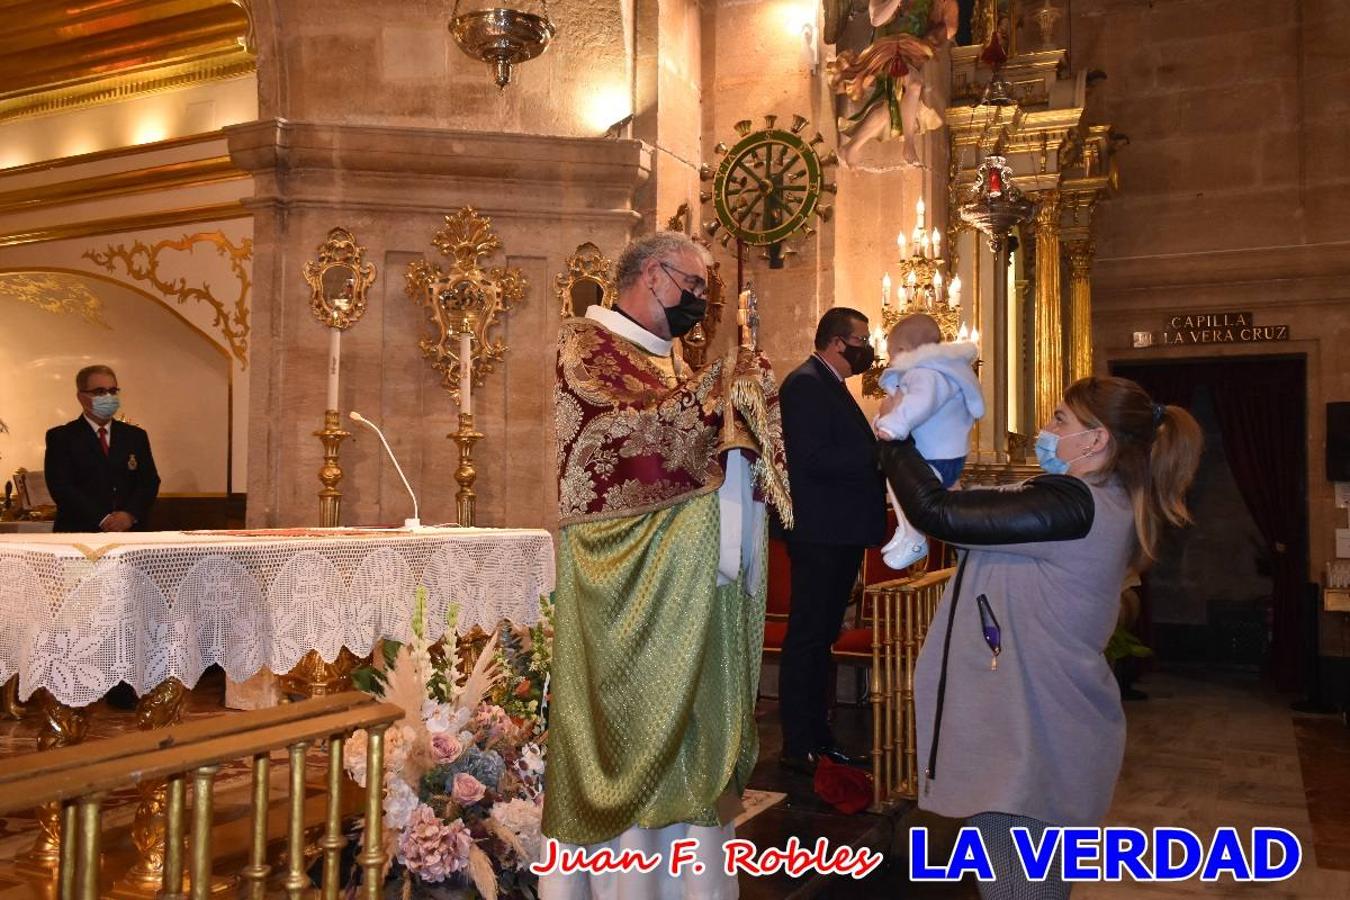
[(100, 471), (838, 503)]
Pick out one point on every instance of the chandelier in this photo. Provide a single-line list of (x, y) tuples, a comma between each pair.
[(923, 287)]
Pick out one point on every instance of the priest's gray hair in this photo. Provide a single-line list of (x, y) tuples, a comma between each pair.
[(661, 245)]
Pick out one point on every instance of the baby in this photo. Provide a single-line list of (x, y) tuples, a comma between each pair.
[(935, 398)]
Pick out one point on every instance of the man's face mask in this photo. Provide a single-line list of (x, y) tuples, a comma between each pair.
[(691, 309), (859, 358)]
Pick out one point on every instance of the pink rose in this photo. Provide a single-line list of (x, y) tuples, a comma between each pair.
[(445, 748), (467, 789)]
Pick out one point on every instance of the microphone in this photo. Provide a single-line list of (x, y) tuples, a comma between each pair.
[(415, 521)]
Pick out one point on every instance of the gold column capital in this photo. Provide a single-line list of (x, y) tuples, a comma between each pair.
[(1080, 254), (1046, 217)]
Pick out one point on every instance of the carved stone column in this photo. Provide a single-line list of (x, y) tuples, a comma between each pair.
[(1080, 255), (1049, 324)]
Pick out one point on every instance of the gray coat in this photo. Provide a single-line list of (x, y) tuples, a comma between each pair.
[(1043, 734)]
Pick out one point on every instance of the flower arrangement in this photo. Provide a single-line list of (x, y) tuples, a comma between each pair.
[(463, 780)]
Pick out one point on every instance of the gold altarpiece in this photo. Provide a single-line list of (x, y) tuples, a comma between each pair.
[(1064, 164)]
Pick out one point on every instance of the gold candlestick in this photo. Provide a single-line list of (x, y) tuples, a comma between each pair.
[(466, 474), (330, 473)]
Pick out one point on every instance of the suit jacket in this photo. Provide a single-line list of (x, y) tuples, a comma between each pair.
[(87, 485), (838, 496)]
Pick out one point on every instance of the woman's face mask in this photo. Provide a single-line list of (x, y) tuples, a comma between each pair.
[(1047, 451)]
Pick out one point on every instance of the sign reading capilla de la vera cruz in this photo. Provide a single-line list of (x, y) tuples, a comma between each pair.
[(1211, 328)]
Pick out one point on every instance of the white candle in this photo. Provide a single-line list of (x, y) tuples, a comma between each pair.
[(937, 243), (465, 373), (918, 212), (885, 290), (900, 243), (334, 362)]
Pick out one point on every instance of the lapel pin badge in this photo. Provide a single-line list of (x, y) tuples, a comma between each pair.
[(131, 462)]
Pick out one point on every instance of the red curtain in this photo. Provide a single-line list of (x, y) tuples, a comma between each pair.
[(1261, 408)]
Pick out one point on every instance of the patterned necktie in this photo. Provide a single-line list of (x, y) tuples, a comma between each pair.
[(103, 439)]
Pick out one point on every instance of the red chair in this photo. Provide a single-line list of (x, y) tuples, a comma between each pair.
[(854, 646)]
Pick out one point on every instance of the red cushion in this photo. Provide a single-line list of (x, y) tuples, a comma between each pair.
[(855, 641)]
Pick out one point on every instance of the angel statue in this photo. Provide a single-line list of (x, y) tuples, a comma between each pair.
[(886, 77)]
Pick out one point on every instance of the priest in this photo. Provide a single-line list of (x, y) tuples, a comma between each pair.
[(661, 578)]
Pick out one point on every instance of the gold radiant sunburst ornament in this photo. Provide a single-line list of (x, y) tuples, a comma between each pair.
[(768, 186), (502, 37)]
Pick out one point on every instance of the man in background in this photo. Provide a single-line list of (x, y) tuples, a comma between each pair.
[(839, 507), (98, 470)]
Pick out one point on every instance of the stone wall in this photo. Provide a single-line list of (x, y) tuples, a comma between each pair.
[(1235, 193)]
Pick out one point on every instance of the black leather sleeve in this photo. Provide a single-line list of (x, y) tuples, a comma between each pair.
[(1046, 508)]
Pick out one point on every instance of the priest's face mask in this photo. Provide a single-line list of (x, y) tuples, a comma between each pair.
[(681, 287)]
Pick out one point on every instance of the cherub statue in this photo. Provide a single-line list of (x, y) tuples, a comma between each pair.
[(885, 78)]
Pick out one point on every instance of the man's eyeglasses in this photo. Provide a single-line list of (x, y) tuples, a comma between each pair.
[(103, 392), (696, 285)]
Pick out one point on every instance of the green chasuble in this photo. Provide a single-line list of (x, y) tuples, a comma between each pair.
[(655, 665), (655, 671)]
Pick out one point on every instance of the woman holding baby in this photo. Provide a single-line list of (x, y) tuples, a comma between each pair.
[(1019, 720)]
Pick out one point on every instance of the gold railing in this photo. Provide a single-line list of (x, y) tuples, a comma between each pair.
[(901, 611), (80, 777)]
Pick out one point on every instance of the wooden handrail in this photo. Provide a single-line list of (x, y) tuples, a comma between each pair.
[(20, 769), (72, 782), (80, 776)]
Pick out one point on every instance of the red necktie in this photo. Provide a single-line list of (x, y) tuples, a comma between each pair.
[(103, 439)]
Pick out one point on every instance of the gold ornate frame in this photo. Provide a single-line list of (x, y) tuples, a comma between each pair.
[(587, 264), (468, 298), (343, 309)]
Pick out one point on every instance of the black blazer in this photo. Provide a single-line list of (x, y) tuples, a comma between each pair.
[(838, 496), (87, 485)]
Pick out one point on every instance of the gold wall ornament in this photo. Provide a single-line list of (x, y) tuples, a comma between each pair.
[(466, 299), (338, 280), (141, 263), (502, 37), (54, 293), (589, 279)]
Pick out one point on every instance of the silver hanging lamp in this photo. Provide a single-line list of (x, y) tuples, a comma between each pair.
[(502, 37)]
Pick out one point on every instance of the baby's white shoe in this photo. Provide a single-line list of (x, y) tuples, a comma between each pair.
[(905, 549)]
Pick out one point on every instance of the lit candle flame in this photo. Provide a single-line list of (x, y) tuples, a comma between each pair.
[(975, 335), (900, 244), (937, 242), (963, 333), (885, 290)]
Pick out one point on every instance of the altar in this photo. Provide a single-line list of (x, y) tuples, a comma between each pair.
[(85, 611)]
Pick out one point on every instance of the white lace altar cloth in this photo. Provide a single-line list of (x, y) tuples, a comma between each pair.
[(85, 611)]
